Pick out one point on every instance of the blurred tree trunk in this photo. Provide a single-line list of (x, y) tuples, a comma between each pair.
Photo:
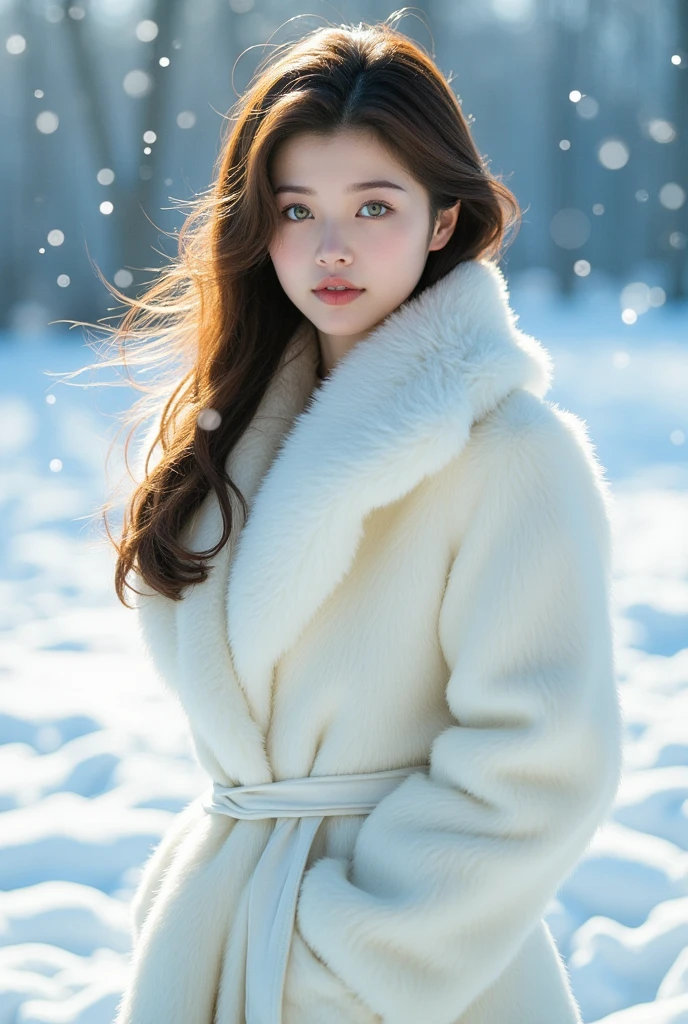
[(679, 256), (562, 65), (134, 188), (26, 280)]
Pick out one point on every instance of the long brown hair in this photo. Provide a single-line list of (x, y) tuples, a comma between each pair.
[(218, 312)]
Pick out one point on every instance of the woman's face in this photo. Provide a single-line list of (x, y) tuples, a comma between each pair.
[(348, 209)]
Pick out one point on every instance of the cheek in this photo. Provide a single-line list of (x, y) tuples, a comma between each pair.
[(398, 247), (404, 231), (287, 253)]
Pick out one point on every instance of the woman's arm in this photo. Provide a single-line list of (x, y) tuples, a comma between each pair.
[(451, 872)]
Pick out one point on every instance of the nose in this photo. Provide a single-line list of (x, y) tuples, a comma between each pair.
[(333, 251), (334, 259)]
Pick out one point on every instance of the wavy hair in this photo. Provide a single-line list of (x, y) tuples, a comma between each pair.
[(217, 312)]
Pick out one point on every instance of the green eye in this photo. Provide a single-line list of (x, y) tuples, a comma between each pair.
[(378, 212), (295, 208)]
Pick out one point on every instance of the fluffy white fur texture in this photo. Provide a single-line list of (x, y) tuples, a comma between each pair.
[(424, 574)]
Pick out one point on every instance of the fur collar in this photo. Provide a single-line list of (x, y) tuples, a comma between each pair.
[(395, 409)]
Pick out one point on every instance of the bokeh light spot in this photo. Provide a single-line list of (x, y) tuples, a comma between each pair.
[(588, 108), (15, 44), (636, 296), (570, 228), (123, 278), (661, 131), (209, 419), (186, 119), (146, 31), (613, 154), (47, 122), (137, 83), (672, 196)]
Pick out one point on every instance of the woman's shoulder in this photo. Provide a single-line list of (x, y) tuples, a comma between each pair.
[(524, 422), (530, 444)]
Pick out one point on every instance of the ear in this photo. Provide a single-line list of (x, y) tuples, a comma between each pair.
[(444, 226)]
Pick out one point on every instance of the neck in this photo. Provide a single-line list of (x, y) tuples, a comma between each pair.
[(333, 347)]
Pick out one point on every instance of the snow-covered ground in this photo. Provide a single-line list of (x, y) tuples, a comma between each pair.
[(94, 755)]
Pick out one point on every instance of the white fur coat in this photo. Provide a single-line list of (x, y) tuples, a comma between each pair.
[(424, 575)]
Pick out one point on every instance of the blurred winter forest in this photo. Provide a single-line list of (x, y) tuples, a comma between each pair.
[(110, 113)]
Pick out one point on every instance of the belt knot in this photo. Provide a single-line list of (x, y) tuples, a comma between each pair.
[(300, 806)]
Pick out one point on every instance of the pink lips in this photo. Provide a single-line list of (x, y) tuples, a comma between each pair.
[(337, 298)]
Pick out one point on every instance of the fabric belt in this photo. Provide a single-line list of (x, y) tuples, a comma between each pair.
[(299, 805)]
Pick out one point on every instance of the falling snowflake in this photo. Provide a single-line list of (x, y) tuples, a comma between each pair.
[(15, 44), (47, 122), (186, 119), (137, 83), (672, 196), (123, 278), (613, 154), (209, 419), (661, 131), (146, 31)]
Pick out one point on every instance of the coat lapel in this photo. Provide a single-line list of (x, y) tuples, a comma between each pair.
[(396, 408)]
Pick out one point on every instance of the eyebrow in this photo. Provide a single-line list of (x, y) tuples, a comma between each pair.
[(359, 186)]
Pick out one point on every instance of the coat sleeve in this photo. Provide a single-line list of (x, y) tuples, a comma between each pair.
[(451, 871)]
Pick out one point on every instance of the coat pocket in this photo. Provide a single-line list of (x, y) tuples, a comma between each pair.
[(313, 994)]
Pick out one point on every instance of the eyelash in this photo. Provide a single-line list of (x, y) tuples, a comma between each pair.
[(370, 202)]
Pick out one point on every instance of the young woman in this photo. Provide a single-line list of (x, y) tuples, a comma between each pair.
[(373, 564)]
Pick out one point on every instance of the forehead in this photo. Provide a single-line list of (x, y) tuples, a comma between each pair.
[(335, 160)]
